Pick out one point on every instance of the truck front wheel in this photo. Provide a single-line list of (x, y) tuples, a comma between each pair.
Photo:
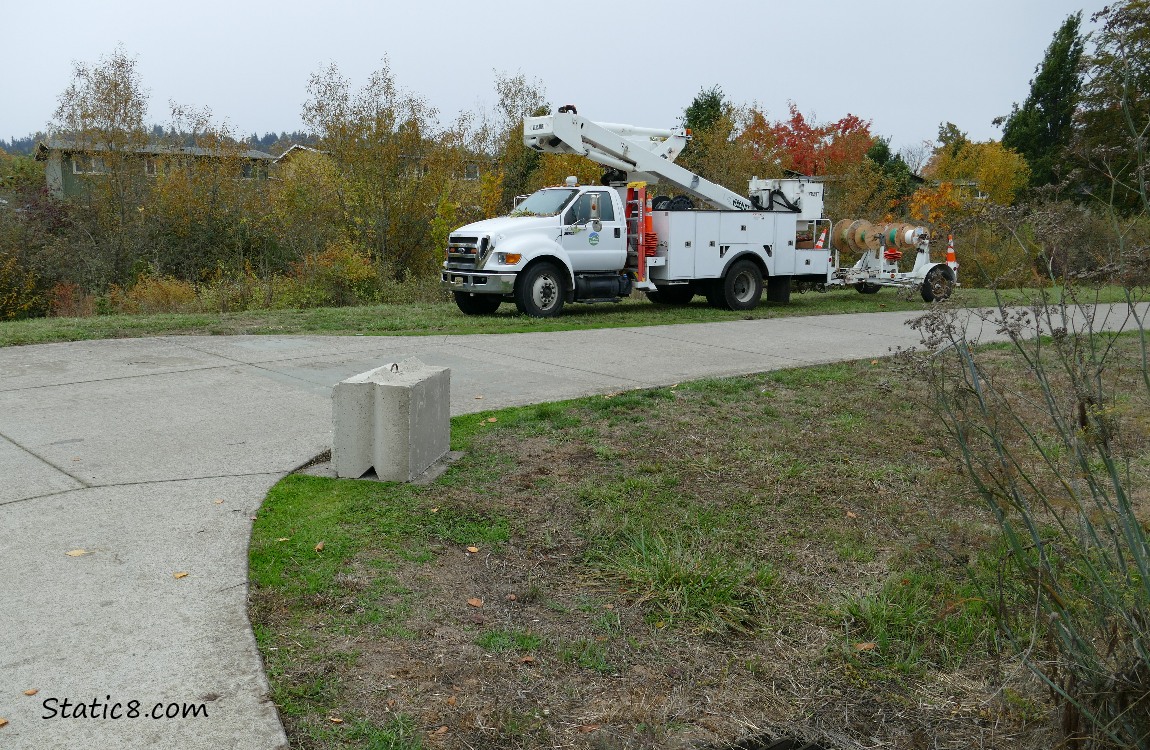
[(539, 291), (740, 289), (477, 304)]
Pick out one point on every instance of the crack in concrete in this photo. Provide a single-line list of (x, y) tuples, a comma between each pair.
[(46, 462), (115, 377), (143, 482)]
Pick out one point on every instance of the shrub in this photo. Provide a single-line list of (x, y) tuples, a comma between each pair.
[(67, 300), (19, 295), (159, 294), (340, 275)]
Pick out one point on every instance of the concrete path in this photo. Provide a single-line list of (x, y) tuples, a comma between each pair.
[(152, 455)]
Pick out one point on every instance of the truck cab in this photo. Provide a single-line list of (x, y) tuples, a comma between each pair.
[(560, 244)]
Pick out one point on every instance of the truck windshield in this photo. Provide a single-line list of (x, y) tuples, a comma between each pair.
[(547, 202)]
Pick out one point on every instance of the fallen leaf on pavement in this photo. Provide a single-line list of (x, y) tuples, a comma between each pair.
[(218, 501), (181, 574), (319, 547), (77, 552), (479, 397), (475, 601), (3, 722), (31, 691)]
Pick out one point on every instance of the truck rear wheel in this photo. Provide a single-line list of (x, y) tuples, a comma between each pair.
[(477, 304), (680, 294), (865, 288), (539, 291), (741, 288)]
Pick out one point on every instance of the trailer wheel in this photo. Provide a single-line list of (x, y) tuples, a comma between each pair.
[(938, 284), (477, 304), (539, 291), (741, 288), (865, 288), (672, 295)]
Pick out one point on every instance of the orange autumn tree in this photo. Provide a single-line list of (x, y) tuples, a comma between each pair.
[(821, 149)]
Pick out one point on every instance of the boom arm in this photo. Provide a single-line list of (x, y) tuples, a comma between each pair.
[(645, 154)]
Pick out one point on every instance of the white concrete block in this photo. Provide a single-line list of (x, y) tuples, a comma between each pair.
[(395, 419)]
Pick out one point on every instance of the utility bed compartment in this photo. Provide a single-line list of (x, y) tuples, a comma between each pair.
[(700, 244)]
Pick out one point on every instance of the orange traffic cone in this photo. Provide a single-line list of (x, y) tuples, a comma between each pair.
[(819, 244), (950, 259)]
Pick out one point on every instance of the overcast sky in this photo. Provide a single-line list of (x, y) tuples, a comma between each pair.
[(905, 65)]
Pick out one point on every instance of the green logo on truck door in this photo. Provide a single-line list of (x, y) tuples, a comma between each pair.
[(593, 239)]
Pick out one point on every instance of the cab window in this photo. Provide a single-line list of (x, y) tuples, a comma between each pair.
[(580, 211)]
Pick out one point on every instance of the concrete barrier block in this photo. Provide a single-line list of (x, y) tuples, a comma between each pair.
[(395, 419)]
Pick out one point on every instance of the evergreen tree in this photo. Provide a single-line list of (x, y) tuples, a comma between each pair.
[(705, 110), (1041, 129), (893, 168)]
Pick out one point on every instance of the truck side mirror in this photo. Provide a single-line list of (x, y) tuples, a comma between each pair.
[(596, 224)]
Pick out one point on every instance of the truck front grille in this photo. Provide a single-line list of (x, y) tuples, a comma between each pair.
[(465, 253)]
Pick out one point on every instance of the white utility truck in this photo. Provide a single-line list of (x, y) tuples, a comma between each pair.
[(596, 243)]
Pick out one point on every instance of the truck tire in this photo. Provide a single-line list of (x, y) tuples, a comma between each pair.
[(865, 288), (660, 203), (679, 294), (539, 291), (938, 284), (477, 304), (740, 289)]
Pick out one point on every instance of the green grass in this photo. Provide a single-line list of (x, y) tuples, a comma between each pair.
[(921, 618), (501, 640), (444, 318)]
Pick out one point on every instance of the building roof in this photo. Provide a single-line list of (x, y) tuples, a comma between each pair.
[(152, 149)]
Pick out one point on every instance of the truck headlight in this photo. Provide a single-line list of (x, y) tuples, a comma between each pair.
[(508, 259)]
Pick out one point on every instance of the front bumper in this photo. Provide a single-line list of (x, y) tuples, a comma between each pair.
[(480, 283)]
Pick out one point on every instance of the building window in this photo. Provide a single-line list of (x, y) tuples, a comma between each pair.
[(471, 171), (87, 164), (150, 167)]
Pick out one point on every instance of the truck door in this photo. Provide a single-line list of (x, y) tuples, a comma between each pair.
[(604, 250)]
